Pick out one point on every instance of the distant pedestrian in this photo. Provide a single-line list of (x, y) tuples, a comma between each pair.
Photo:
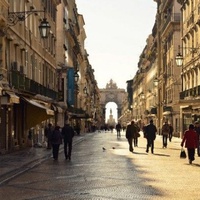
[(165, 133), (190, 139), (78, 129), (197, 129), (136, 135), (118, 129), (150, 134), (68, 134), (171, 132), (56, 140), (48, 133), (130, 131)]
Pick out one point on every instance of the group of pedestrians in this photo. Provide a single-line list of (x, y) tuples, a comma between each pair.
[(132, 134), (191, 137), (55, 136)]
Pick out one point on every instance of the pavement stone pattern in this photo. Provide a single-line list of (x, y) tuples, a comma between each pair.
[(98, 174)]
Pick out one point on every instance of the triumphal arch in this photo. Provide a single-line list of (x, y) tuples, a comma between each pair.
[(112, 94)]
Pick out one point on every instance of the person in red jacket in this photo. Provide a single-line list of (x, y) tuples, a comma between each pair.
[(190, 139)]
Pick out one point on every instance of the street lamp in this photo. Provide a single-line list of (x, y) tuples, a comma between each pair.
[(85, 90), (44, 28), (142, 95), (179, 56), (76, 77), (155, 82), (15, 17), (179, 59)]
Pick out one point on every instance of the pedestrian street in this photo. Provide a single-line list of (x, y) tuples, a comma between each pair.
[(103, 168)]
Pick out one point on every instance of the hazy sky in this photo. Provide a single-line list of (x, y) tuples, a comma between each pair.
[(116, 36)]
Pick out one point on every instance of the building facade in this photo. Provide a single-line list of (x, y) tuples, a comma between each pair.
[(176, 97), (189, 49), (41, 77)]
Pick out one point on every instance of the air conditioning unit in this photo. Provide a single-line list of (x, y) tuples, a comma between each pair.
[(14, 66)]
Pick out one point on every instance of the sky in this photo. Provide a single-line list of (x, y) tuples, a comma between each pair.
[(116, 33)]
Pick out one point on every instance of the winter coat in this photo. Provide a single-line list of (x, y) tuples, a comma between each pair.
[(165, 129), (131, 131), (118, 127), (150, 131), (190, 139), (67, 133), (56, 137), (197, 129), (136, 131), (48, 132)]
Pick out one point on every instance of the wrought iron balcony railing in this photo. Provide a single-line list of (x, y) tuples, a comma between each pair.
[(190, 92), (24, 84)]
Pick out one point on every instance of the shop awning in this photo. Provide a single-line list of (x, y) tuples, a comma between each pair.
[(77, 113), (57, 108), (167, 113), (13, 97), (81, 116), (9, 98), (36, 112)]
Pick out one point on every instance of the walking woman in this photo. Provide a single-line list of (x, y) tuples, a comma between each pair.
[(56, 140), (190, 139)]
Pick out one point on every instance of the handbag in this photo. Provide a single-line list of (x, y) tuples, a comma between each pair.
[(138, 135), (182, 154)]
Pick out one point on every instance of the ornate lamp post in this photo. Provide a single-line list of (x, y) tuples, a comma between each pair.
[(15, 17)]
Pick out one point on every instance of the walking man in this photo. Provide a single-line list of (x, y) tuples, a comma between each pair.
[(171, 132), (150, 134), (136, 135), (118, 128), (56, 140), (165, 133), (131, 130), (68, 134), (197, 129), (48, 133)]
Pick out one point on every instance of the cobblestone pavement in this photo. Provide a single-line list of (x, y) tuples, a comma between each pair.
[(110, 174), (17, 162)]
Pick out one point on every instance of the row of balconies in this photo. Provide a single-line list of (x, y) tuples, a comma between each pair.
[(190, 92), (22, 83)]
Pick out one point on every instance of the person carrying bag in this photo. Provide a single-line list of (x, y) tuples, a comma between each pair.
[(183, 154)]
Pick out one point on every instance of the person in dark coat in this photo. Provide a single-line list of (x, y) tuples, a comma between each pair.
[(78, 129), (56, 140), (131, 130), (171, 132), (165, 133), (190, 139), (68, 134), (118, 129), (197, 129), (150, 134), (48, 133), (136, 135)]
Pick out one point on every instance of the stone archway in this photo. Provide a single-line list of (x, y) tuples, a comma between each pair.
[(112, 94)]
